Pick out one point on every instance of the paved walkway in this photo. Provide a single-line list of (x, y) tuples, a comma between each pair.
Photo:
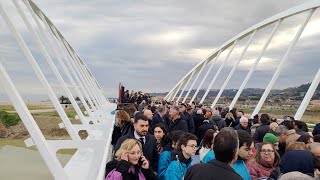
[(18, 163)]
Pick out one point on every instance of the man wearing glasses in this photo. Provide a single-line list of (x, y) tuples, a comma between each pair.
[(181, 157)]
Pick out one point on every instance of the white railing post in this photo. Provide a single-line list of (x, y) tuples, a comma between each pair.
[(39, 74), (50, 43), (245, 81), (189, 79), (91, 80), (194, 81), (218, 72), (233, 70), (175, 92), (82, 74), (51, 64), (305, 102), (87, 78), (49, 158), (205, 77), (71, 66), (281, 65)]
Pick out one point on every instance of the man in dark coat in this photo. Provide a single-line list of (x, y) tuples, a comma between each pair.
[(226, 147), (263, 129), (177, 122), (198, 118), (243, 125), (148, 141), (159, 116), (203, 129), (187, 117), (217, 120)]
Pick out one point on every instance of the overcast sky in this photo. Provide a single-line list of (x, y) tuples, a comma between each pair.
[(151, 45)]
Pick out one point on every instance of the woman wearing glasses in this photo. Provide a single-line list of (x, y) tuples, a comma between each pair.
[(129, 163), (181, 157), (265, 160)]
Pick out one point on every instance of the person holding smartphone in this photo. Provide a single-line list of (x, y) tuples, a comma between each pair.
[(129, 163)]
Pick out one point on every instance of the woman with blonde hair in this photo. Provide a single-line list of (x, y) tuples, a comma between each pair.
[(265, 161), (129, 163), (229, 119), (122, 125)]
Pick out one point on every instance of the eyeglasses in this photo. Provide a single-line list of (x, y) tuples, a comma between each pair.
[(267, 151), (134, 153), (194, 147)]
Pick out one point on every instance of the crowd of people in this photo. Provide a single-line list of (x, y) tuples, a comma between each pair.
[(160, 140)]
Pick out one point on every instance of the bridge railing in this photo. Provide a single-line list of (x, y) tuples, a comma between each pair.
[(96, 119), (275, 23)]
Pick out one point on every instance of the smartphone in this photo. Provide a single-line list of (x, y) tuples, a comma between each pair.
[(140, 162)]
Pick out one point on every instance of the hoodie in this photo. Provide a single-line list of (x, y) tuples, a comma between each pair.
[(216, 120)]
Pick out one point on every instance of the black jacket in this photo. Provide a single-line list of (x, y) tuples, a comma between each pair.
[(239, 127), (149, 149), (123, 167), (213, 170), (203, 129), (157, 119), (119, 132), (198, 121), (217, 121), (190, 122), (260, 132), (178, 124)]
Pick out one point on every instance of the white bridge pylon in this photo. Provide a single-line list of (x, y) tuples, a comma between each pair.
[(275, 21), (93, 152)]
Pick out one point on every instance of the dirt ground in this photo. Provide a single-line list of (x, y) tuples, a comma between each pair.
[(48, 122)]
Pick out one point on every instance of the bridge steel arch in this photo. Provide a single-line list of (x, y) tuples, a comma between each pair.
[(96, 118), (307, 8)]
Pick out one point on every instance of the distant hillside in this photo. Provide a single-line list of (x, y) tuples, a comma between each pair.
[(296, 93)]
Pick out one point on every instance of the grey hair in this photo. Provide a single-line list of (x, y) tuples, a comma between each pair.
[(233, 133), (175, 108), (281, 130), (161, 108)]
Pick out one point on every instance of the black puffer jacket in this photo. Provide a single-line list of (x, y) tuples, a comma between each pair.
[(217, 121), (178, 124), (260, 132)]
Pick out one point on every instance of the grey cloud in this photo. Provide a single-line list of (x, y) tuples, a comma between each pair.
[(112, 38)]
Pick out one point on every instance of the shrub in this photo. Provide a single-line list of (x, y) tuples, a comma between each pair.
[(9, 119)]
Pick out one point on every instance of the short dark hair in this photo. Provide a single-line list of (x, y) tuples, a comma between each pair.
[(244, 138), (288, 124), (140, 116), (161, 126), (208, 137), (175, 135), (316, 138), (226, 144), (184, 140), (301, 125), (265, 119), (304, 138)]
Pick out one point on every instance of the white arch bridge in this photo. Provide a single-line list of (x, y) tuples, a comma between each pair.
[(76, 80)]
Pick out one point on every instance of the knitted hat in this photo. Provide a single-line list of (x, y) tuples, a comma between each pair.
[(270, 138)]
